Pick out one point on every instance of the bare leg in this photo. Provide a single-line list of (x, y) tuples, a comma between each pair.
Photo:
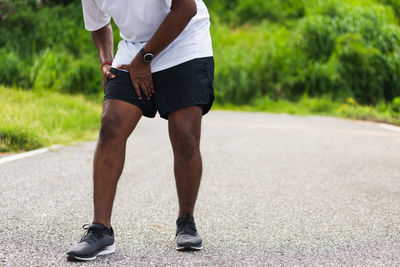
[(184, 132), (118, 121)]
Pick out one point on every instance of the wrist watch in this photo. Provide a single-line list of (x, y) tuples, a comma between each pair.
[(147, 56)]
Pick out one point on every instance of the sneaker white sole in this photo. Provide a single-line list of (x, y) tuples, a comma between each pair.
[(105, 251)]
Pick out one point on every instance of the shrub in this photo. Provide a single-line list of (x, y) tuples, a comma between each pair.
[(17, 139), (81, 76), (28, 30), (245, 11), (372, 23), (268, 69), (388, 39), (273, 10), (48, 68), (335, 48), (14, 71), (322, 79), (395, 4), (60, 71), (42, 54), (362, 68), (319, 35), (396, 104), (352, 51)]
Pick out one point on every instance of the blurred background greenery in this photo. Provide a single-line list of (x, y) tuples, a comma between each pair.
[(331, 57)]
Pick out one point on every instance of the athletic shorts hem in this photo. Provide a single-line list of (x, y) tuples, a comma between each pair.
[(205, 107), (144, 113)]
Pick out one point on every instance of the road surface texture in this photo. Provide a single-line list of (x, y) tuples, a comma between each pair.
[(277, 190)]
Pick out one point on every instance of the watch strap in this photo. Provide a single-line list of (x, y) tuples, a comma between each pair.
[(142, 52)]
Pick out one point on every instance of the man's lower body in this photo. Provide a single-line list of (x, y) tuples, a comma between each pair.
[(182, 95)]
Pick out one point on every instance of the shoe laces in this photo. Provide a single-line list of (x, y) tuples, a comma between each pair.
[(92, 233), (186, 225)]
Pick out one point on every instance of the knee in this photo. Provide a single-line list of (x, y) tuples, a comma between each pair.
[(110, 129), (187, 146)]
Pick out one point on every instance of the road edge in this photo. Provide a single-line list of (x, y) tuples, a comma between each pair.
[(28, 154), (46, 149), (389, 127)]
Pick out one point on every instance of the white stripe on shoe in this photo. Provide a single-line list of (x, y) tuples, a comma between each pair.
[(105, 251)]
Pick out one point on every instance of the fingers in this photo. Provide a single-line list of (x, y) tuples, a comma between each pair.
[(148, 83), (146, 88), (137, 89), (151, 86), (143, 84), (109, 75), (141, 81)]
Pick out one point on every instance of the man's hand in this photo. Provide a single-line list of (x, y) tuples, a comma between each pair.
[(106, 74), (140, 72)]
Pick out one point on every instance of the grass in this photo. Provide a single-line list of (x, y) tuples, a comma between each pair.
[(321, 106), (31, 120)]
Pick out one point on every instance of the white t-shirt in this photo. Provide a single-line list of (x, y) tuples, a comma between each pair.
[(138, 20)]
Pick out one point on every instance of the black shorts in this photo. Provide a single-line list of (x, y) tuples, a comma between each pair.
[(187, 84)]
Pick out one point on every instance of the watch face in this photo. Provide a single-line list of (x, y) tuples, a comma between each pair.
[(148, 57)]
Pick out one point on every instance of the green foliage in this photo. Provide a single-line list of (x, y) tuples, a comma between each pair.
[(322, 79), (321, 106), (396, 104), (252, 62), (28, 30), (392, 83), (319, 34), (16, 139), (50, 49), (48, 68), (81, 76), (57, 71), (373, 23), (395, 4), (362, 68), (29, 120), (57, 2), (301, 57), (334, 48), (245, 11), (14, 71), (356, 46), (273, 10)]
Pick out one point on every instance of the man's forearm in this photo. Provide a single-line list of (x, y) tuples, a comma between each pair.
[(103, 39), (182, 11)]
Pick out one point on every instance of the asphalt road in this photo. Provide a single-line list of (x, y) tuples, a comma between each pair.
[(277, 190)]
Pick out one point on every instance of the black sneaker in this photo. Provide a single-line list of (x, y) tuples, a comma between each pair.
[(187, 237), (98, 240)]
